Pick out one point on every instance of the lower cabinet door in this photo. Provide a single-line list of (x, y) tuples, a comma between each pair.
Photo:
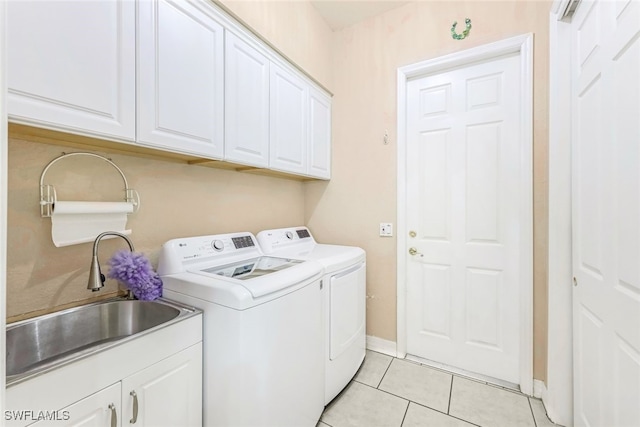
[(101, 409), (168, 393)]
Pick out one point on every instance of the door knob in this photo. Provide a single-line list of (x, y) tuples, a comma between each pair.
[(414, 251)]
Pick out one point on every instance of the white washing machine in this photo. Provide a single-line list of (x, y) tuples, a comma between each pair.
[(263, 329), (344, 298)]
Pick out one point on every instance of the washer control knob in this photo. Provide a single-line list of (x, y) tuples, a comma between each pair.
[(289, 235), (218, 245)]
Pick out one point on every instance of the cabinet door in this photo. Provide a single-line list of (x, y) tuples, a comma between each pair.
[(288, 131), (246, 103), (71, 66), (168, 393), (319, 134), (101, 409), (180, 78)]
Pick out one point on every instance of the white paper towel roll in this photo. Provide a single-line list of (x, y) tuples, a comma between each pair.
[(81, 222)]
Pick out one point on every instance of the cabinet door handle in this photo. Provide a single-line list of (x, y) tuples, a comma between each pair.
[(114, 415), (135, 407)]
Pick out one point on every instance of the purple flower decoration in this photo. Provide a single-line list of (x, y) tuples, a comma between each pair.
[(134, 270)]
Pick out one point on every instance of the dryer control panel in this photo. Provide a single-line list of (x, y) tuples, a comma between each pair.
[(271, 240)]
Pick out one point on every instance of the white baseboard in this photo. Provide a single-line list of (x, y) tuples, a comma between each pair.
[(539, 390), (381, 345)]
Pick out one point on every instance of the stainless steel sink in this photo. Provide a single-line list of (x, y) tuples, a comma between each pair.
[(45, 342)]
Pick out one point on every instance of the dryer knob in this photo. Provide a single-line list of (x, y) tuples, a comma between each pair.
[(289, 235), (218, 245)]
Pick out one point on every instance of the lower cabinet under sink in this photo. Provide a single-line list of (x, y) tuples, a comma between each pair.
[(149, 379)]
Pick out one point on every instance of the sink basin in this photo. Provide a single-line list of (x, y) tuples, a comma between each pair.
[(45, 342)]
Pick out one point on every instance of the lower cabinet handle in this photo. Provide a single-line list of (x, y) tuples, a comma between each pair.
[(114, 415), (135, 407)]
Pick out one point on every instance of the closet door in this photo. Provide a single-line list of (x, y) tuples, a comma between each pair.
[(180, 77), (606, 210)]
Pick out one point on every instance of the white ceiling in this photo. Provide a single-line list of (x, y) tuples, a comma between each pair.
[(343, 13)]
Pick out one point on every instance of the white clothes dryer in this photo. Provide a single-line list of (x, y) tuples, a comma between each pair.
[(344, 299), (263, 329)]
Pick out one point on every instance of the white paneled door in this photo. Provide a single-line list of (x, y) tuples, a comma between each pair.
[(463, 215), (606, 212)]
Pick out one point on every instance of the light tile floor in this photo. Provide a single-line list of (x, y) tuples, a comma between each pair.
[(390, 392)]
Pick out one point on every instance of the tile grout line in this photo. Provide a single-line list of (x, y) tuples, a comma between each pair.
[(394, 395), (465, 376), (405, 413), (409, 401), (468, 377), (453, 376), (535, 423), (448, 415), (417, 403), (425, 406), (385, 373), (450, 394)]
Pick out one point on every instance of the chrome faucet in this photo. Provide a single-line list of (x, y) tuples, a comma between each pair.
[(96, 278)]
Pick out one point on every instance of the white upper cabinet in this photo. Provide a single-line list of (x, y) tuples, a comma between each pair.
[(176, 75), (180, 77), (246, 103), (288, 131), (71, 66), (300, 132), (319, 135)]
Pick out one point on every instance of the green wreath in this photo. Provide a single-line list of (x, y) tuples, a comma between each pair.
[(464, 34)]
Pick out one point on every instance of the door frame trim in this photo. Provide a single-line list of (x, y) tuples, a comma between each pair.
[(522, 46), (4, 191), (559, 397)]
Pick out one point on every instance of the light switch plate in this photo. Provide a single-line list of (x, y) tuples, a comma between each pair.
[(386, 229)]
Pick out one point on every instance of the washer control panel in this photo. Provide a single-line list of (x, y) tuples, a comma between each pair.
[(177, 254), (191, 248), (243, 241)]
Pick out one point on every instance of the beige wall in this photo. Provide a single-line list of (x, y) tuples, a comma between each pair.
[(294, 28), (358, 64), (362, 191), (177, 200)]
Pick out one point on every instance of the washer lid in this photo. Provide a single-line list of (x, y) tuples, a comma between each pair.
[(263, 275), (252, 268)]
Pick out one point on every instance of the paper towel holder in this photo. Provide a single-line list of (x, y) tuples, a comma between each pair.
[(48, 196)]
